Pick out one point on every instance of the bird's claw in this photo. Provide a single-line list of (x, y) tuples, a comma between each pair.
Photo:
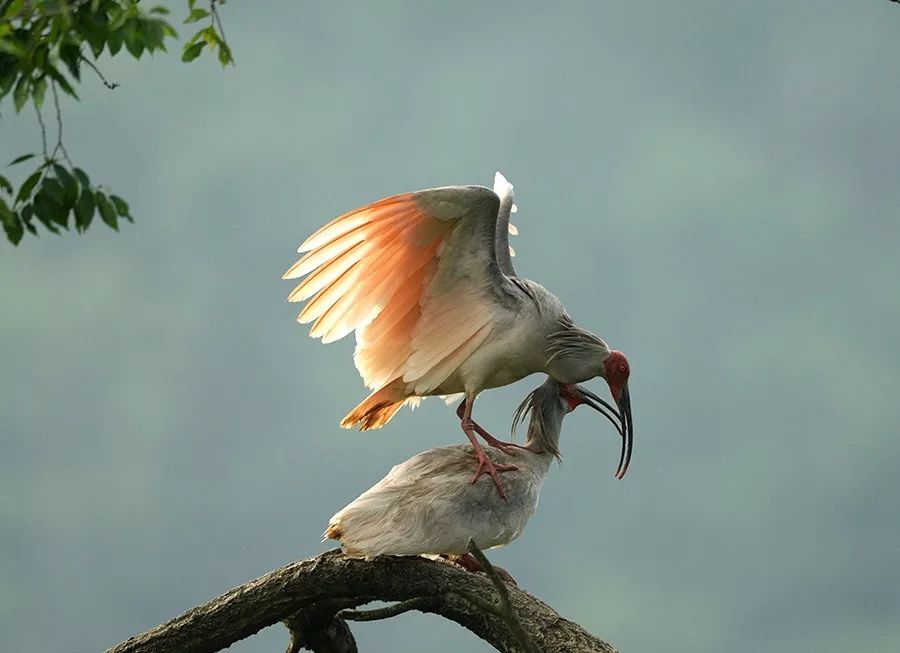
[(469, 562), (486, 465), (509, 448)]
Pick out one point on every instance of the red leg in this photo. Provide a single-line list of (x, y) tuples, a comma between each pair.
[(484, 462), (506, 447), (468, 561)]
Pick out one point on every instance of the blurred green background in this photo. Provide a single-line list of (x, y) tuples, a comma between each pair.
[(710, 186)]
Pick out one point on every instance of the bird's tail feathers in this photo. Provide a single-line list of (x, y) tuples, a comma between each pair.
[(377, 409), (334, 531)]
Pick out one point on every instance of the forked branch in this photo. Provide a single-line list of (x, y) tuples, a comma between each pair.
[(315, 597)]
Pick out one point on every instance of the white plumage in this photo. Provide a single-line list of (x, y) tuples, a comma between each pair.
[(427, 504)]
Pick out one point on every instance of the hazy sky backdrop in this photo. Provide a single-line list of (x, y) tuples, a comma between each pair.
[(713, 187)]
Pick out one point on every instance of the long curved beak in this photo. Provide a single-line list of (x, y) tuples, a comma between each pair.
[(622, 421), (602, 407), (627, 432)]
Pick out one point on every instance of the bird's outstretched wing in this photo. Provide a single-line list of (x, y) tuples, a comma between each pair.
[(414, 275)]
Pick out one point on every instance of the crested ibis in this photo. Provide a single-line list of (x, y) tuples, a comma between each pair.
[(428, 504), (426, 281)]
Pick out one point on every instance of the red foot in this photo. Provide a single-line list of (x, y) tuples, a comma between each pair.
[(468, 561), (486, 465)]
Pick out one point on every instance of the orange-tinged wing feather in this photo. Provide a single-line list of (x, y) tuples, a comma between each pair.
[(381, 270)]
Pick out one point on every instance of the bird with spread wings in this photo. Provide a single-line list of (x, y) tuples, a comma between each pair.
[(426, 281)]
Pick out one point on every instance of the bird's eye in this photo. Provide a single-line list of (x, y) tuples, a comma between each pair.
[(622, 368)]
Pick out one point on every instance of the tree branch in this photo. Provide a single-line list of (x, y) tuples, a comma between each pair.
[(108, 84), (309, 595)]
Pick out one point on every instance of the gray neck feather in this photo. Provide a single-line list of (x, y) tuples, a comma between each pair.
[(546, 412)]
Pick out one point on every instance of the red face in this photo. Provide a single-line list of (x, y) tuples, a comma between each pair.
[(617, 372)]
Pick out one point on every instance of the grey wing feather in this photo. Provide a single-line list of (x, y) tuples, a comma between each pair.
[(504, 191)]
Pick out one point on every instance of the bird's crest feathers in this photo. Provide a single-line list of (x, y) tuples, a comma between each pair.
[(572, 340)]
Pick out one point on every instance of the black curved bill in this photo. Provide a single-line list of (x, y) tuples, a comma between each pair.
[(628, 433), (602, 407)]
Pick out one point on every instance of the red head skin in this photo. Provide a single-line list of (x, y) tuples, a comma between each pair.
[(617, 372), (572, 398)]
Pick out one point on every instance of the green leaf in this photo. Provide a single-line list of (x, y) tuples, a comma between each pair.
[(8, 73), (96, 41), (49, 212), (12, 225), (69, 184), (26, 188), (134, 38), (62, 81), (20, 94), (114, 42), (41, 54), (59, 212), (19, 159), (195, 15), (82, 177), (154, 35), (96, 32), (84, 210), (159, 10), (38, 90), (5, 185), (71, 56), (54, 190), (224, 54), (210, 35), (119, 18), (15, 7), (191, 52), (26, 213), (11, 46), (107, 210), (121, 206)]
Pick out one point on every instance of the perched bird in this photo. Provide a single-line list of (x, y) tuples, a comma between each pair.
[(426, 281), (427, 504)]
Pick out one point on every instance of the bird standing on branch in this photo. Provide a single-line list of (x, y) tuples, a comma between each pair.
[(426, 281), (427, 505)]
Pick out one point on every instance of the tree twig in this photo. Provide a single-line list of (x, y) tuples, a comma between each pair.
[(418, 603), (507, 610), (40, 118), (59, 127), (218, 21), (106, 83)]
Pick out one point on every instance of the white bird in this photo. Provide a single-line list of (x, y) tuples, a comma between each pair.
[(426, 281), (427, 505)]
